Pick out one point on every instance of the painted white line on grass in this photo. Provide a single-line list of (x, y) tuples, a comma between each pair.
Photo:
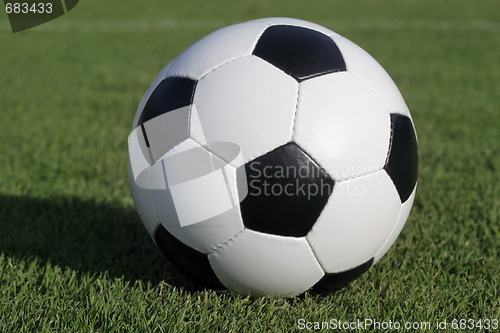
[(123, 26), (67, 25), (417, 24)]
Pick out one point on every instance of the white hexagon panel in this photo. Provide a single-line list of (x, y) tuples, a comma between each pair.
[(356, 221), (235, 104), (254, 263), (343, 125), (220, 47)]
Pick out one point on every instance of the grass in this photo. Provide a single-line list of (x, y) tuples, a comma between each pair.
[(73, 253)]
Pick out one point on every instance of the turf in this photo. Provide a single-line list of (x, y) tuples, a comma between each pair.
[(73, 253)]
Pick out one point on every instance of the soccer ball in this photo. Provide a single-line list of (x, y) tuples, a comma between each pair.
[(272, 157)]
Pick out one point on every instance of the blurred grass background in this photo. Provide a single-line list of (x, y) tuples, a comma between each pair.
[(73, 253)]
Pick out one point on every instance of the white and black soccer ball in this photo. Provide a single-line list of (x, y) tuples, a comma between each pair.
[(272, 157)]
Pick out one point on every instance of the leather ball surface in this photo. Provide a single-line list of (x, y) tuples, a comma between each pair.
[(272, 157)]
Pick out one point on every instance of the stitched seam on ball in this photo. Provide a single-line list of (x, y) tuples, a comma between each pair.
[(267, 25), (353, 178), (211, 152), (308, 154), (391, 139), (227, 241), (177, 143), (190, 111), (155, 214), (390, 235), (377, 94), (194, 90), (228, 163), (388, 110), (223, 64), (219, 157), (371, 88), (315, 255), (295, 112)]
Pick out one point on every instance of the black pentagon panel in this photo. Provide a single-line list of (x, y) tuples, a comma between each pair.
[(287, 191), (189, 261), (402, 162), (172, 93), (300, 52), (335, 281)]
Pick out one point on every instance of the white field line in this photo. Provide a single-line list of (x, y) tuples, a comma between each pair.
[(122, 26), (143, 25)]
